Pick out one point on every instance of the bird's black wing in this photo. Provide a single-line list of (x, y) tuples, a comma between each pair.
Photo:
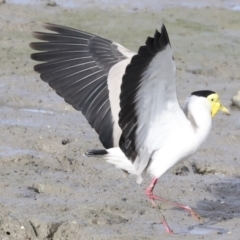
[(76, 64)]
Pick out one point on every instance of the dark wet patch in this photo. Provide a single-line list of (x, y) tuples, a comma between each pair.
[(65, 141), (35, 190), (226, 204), (183, 171), (202, 170)]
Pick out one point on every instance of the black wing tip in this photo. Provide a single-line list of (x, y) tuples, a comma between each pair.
[(163, 28), (33, 56), (44, 25), (161, 39), (51, 27), (158, 43), (33, 45), (95, 152), (164, 36)]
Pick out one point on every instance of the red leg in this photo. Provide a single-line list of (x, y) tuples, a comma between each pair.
[(163, 221), (150, 195)]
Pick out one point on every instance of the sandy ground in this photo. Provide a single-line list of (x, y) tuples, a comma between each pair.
[(50, 191)]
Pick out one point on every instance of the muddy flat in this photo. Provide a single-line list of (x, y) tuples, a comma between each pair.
[(49, 190)]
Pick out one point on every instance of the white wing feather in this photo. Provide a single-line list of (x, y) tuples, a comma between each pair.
[(114, 86), (157, 107)]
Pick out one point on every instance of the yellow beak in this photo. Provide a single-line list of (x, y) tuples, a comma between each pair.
[(218, 106), (225, 110)]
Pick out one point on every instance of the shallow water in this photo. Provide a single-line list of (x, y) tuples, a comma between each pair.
[(140, 5)]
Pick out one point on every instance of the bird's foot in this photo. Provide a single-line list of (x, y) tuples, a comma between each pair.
[(163, 220), (167, 228), (193, 213), (152, 197)]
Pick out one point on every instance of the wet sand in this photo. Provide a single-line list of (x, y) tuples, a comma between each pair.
[(50, 191)]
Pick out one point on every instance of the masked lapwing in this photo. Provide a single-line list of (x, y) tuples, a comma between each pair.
[(129, 98)]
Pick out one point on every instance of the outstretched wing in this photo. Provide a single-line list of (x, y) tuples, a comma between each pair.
[(148, 98), (77, 64)]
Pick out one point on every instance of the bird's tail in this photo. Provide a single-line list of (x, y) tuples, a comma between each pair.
[(114, 156), (96, 152)]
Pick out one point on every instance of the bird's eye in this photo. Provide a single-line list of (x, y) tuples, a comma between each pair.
[(212, 99)]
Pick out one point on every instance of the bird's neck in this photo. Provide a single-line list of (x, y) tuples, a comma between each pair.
[(200, 117)]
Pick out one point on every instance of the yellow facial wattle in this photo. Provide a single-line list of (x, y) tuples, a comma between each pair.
[(216, 104)]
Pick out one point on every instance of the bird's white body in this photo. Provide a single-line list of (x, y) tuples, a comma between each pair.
[(171, 136), (184, 140)]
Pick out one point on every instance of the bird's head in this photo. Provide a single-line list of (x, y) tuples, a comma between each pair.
[(214, 101)]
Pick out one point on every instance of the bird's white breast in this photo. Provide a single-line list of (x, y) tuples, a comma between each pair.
[(184, 139)]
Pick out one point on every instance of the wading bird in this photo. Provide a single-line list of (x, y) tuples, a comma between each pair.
[(129, 98)]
